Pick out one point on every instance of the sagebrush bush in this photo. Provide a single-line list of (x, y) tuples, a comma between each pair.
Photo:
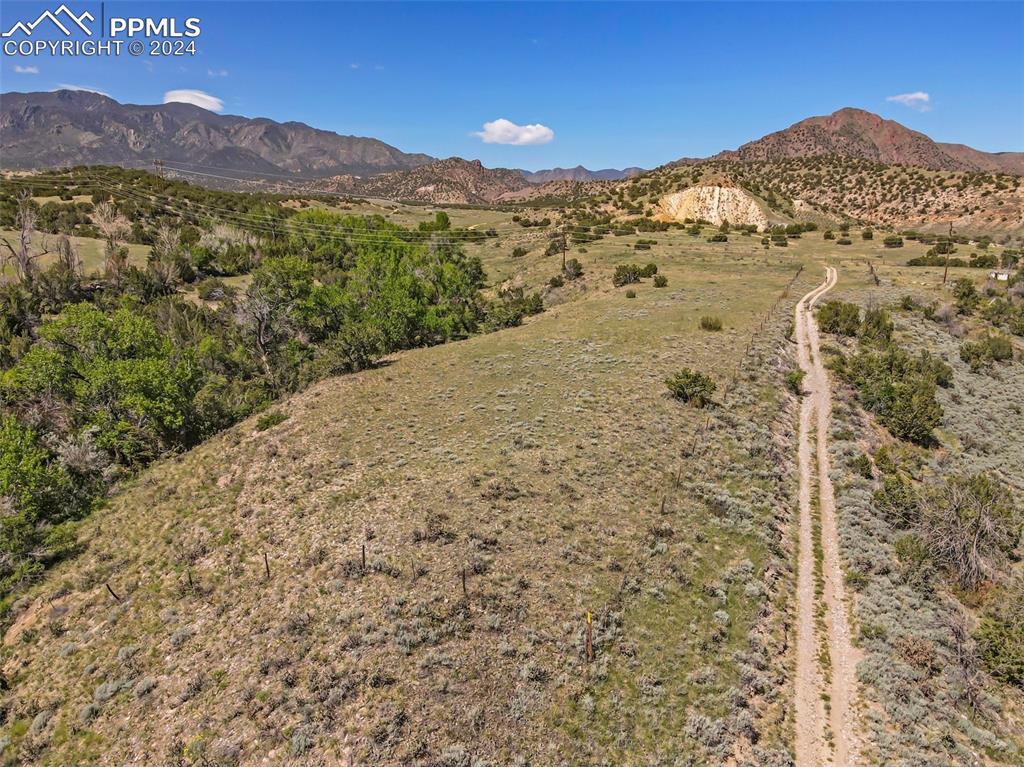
[(709, 322), (660, 281)]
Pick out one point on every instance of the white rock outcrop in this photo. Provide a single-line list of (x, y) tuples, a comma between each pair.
[(712, 203)]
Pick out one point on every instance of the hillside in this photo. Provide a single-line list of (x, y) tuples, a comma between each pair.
[(862, 135), (834, 189), (546, 462), (65, 128), (715, 204), (393, 563), (453, 180)]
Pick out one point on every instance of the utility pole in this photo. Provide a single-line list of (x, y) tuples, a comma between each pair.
[(563, 248), (949, 248)]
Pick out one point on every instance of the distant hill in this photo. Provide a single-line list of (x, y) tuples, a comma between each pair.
[(453, 180), (78, 128), (579, 173), (866, 136)]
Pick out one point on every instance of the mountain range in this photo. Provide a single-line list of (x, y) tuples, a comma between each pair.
[(63, 128), (82, 128), (579, 173)]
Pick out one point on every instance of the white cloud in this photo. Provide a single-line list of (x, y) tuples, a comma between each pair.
[(502, 131), (86, 88), (918, 100), (26, 70), (216, 73), (197, 98), (353, 66)]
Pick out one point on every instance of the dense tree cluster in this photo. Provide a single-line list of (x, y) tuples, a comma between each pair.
[(102, 375)]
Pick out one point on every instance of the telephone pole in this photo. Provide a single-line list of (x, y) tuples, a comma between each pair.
[(563, 248), (949, 248)]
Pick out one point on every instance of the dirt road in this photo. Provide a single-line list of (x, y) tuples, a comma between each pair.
[(826, 665)]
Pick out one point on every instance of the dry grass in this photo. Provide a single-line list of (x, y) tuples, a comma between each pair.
[(536, 459), (540, 460)]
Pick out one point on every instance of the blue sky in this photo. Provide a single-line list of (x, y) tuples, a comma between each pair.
[(617, 84)]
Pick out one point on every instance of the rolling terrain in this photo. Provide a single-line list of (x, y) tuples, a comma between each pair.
[(451, 506), (399, 566)]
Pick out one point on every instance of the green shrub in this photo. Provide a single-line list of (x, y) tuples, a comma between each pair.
[(898, 388), (867, 234), (711, 323), (1000, 633), (511, 307), (909, 304), (213, 289), (649, 270), (893, 241), (38, 503), (839, 318), (795, 381), (630, 293), (844, 241), (966, 295), (897, 500), (862, 465), (692, 387), (270, 419), (556, 282), (626, 274), (718, 237), (876, 327), (660, 281), (573, 269), (991, 348)]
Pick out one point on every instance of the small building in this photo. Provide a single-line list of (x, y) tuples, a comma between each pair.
[(999, 275)]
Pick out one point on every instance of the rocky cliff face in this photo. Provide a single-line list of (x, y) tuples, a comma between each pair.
[(714, 204)]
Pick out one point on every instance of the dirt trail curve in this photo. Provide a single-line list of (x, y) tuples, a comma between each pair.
[(826, 666)]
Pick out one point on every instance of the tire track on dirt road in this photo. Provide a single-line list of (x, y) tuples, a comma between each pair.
[(823, 736)]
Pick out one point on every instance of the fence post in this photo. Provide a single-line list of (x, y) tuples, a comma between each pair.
[(590, 639)]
